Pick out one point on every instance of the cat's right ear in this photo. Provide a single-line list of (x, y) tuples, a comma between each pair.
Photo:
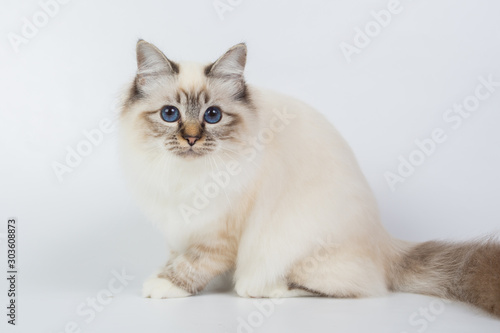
[(152, 63)]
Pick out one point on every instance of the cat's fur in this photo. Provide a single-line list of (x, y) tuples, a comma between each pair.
[(272, 192)]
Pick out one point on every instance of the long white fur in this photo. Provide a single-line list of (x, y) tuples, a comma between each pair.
[(309, 190)]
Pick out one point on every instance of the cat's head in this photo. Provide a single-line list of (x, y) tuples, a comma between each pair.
[(186, 109)]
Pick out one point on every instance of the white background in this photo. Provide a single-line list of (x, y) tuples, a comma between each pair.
[(74, 233)]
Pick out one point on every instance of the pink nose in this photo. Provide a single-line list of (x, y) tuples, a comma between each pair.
[(191, 139)]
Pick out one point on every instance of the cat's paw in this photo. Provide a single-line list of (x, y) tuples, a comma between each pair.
[(156, 287), (247, 288)]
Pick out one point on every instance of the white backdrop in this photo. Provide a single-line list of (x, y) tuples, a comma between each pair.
[(385, 73)]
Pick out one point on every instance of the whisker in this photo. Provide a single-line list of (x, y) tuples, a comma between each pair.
[(240, 155)]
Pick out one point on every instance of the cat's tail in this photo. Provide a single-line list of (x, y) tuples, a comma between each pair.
[(467, 272)]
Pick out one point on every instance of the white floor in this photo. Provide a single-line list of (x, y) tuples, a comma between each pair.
[(223, 311)]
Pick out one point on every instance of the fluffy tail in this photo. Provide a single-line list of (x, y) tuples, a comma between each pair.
[(467, 272)]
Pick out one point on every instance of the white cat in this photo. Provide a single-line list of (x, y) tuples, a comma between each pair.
[(249, 180)]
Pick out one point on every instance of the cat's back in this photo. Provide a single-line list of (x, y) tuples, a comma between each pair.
[(287, 123)]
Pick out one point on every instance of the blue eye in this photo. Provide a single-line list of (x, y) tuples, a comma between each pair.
[(170, 113), (213, 115)]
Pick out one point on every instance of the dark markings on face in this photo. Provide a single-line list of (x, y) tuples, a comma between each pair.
[(207, 70), (242, 95), (174, 65), (229, 130), (135, 93), (155, 126), (192, 101)]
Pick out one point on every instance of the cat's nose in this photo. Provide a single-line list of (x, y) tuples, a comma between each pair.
[(191, 139)]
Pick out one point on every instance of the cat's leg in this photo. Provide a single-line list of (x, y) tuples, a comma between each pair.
[(345, 273), (357, 278), (329, 269), (267, 250), (189, 272)]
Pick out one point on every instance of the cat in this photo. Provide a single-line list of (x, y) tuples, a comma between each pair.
[(252, 182)]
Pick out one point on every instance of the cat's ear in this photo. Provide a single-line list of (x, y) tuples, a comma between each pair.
[(152, 63), (231, 65)]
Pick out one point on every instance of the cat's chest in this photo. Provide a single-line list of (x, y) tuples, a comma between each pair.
[(184, 203), (198, 198)]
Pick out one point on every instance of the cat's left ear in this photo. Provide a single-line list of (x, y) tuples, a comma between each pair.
[(231, 65), (152, 63)]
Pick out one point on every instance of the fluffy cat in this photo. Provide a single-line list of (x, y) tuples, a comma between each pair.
[(251, 181)]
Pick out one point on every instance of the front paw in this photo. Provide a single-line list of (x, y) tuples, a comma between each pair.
[(156, 287)]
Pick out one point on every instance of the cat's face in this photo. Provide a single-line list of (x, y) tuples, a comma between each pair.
[(190, 110)]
